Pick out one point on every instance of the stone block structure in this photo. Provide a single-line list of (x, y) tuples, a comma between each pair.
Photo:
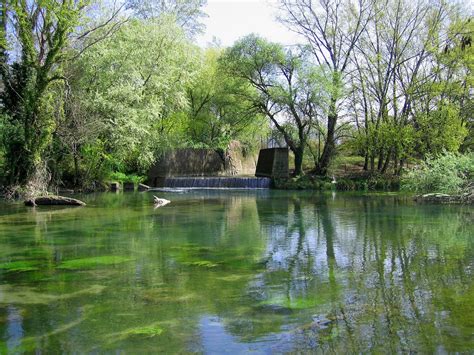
[(273, 163)]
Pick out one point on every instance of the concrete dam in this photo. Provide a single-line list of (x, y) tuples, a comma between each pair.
[(206, 169)]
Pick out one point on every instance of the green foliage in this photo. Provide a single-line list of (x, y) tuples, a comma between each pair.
[(220, 107), (27, 98), (135, 95), (287, 84), (305, 182), (447, 173), (357, 183), (440, 130), (345, 185), (121, 177)]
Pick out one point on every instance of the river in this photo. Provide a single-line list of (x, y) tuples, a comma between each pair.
[(234, 271)]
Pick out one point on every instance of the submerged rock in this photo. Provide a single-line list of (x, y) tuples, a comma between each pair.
[(54, 200)]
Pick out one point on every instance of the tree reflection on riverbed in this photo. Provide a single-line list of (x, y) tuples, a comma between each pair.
[(237, 271)]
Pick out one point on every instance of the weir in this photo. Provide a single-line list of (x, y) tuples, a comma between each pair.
[(213, 182), (205, 169)]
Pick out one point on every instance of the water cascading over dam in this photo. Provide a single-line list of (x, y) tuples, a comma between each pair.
[(213, 182)]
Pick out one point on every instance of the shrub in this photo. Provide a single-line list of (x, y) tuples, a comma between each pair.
[(345, 185), (448, 173), (122, 177)]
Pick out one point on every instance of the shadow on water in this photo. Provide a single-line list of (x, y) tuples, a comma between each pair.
[(261, 271)]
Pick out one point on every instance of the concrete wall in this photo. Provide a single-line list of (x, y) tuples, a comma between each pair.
[(201, 162), (273, 162)]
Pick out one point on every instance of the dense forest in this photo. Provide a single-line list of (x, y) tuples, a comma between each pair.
[(93, 88)]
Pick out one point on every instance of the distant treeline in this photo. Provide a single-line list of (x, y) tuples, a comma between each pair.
[(93, 88)]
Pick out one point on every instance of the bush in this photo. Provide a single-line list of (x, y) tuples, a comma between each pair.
[(305, 182), (449, 173), (345, 185), (122, 177)]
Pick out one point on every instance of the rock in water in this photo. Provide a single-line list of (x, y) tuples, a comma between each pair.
[(160, 202), (53, 201)]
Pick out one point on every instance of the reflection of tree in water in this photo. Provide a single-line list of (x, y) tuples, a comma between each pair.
[(383, 275), (344, 274)]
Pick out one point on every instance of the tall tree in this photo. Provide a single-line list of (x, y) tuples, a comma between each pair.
[(332, 28), (41, 30), (287, 86), (135, 81), (220, 106), (398, 83), (187, 13)]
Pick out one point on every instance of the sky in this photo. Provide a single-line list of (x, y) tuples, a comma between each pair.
[(230, 20)]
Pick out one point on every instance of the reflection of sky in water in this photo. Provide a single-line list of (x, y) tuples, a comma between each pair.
[(216, 340), (14, 328)]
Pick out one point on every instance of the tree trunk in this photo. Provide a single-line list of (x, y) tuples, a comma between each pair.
[(380, 161), (402, 161), (299, 153), (366, 161), (76, 169), (395, 162), (387, 162), (329, 147)]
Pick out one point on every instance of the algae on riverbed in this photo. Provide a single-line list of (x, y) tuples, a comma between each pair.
[(92, 262), (19, 266)]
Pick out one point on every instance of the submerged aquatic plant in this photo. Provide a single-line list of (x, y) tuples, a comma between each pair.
[(149, 331), (201, 263), (19, 266), (90, 263)]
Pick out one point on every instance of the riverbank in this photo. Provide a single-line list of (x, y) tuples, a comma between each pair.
[(466, 198), (347, 183)]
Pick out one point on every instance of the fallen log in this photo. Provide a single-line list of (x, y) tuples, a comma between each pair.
[(53, 200)]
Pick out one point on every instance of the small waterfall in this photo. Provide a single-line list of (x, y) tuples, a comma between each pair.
[(217, 182)]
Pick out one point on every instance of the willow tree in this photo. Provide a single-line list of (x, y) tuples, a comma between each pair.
[(220, 107), (188, 14), (134, 83)]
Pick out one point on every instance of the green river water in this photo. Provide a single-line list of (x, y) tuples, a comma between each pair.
[(237, 272)]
